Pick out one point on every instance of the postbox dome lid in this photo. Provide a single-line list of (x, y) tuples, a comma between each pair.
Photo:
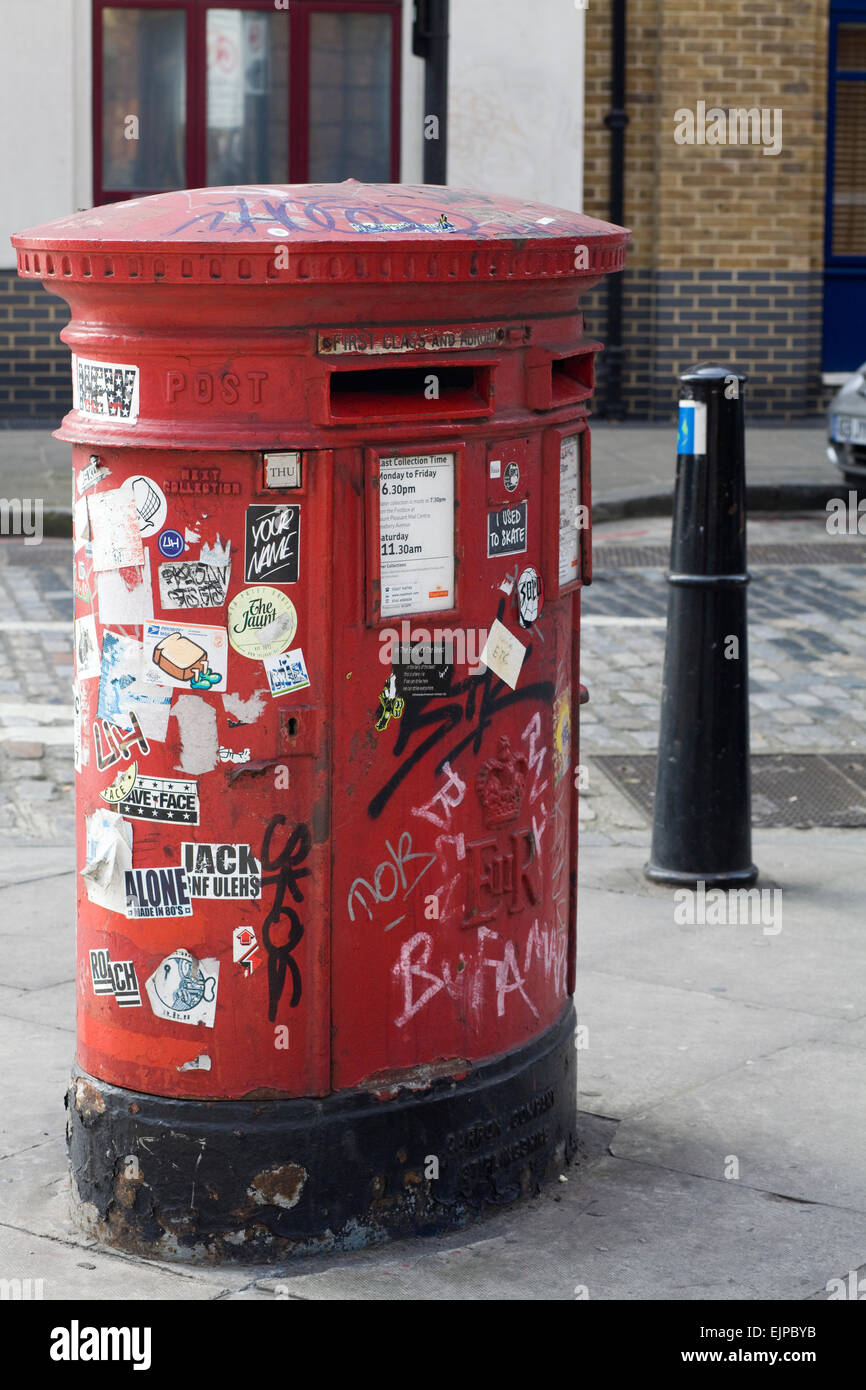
[(339, 231)]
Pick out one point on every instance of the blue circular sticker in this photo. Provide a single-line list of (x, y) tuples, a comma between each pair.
[(171, 543)]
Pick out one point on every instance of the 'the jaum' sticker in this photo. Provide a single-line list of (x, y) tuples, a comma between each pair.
[(261, 621)]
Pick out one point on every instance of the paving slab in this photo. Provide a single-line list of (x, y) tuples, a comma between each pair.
[(54, 1007), (813, 964), (650, 1041), (623, 1231), (70, 1272), (793, 1120), (26, 863), (33, 1082), (37, 932)]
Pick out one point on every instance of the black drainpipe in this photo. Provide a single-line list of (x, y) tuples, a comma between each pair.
[(430, 42), (616, 121)]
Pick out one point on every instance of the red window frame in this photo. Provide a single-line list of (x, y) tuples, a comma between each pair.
[(298, 18)]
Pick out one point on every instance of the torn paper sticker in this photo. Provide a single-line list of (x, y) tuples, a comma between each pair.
[(87, 660), (503, 654), (80, 524), (221, 870), (91, 475), (199, 737), (125, 595), (184, 656), (114, 529), (183, 989), (150, 504), (231, 755), (81, 580), (200, 1063), (108, 857), (162, 892), (123, 690), (201, 583), (105, 390), (287, 672)]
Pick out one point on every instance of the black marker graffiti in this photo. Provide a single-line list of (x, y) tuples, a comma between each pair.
[(282, 873), (482, 702)]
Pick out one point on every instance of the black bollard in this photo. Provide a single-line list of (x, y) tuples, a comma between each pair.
[(702, 822)]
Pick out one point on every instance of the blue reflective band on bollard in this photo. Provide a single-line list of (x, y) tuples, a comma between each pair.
[(692, 432)]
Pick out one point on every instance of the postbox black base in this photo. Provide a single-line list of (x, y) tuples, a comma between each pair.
[(261, 1180)]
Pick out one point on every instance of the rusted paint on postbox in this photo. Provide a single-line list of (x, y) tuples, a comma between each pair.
[(331, 524)]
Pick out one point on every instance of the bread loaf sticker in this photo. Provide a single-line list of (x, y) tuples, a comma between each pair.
[(187, 656)]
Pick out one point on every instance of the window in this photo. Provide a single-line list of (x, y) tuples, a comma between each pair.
[(191, 93), (847, 209)]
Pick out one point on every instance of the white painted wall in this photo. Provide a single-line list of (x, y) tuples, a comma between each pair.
[(516, 99), (412, 98), (45, 87), (515, 105)]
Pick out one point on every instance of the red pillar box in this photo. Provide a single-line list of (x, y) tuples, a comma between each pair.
[(331, 524)]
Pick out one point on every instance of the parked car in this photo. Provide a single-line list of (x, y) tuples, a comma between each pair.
[(846, 426)]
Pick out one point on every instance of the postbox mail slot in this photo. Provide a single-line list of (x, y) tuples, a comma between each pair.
[(405, 393), (560, 379)]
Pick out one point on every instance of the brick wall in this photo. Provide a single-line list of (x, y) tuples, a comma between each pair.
[(35, 378), (727, 255)]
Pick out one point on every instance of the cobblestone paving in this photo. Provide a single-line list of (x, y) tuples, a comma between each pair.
[(36, 692), (807, 662), (807, 657)]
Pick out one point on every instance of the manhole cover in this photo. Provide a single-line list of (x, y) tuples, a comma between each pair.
[(788, 789), (839, 552)]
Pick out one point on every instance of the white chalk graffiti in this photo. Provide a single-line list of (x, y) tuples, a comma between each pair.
[(536, 756), (546, 949), (448, 797), (389, 877)]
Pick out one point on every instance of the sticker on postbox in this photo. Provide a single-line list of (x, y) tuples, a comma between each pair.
[(105, 390), (273, 540), (183, 989), (287, 672), (262, 622), (506, 531), (186, 657), (416, 533), (201, 583), (503, 653), (569, 498), (162, 892), (221, 870)]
